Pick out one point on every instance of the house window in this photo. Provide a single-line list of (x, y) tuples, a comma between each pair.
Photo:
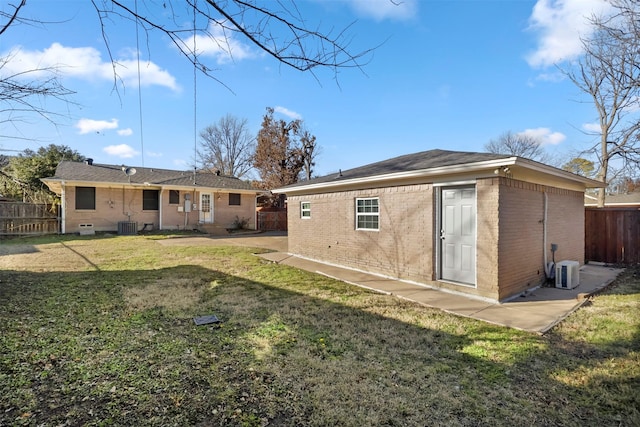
[(86, 198), (174, 197), (234, 199), (367, 214), (305, 210), (150, 200)]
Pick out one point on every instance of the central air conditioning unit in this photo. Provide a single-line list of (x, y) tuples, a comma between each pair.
[(127, 228), (567, 274)]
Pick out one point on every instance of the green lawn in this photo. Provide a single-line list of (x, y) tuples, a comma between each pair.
[(99, 331)]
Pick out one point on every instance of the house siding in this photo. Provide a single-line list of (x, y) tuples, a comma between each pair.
[(225, 214), (117, 204), (521, 223), (112, 206), (509, 255), (488, 226), (401, 248)]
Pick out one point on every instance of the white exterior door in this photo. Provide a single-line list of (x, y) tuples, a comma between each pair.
[(206, 208), (458, 234)]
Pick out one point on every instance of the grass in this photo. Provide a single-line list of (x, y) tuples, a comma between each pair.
[(99, 331)]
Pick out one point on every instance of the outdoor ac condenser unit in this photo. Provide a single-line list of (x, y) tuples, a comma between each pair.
[(567, 274)]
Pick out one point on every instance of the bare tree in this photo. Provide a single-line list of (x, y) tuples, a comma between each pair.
[(310, 151), (276, 28), (518, 145), (22, 94), (227, 147), (609, 72), (8, 19)]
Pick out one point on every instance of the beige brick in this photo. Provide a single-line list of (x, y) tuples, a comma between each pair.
[(509, 255)]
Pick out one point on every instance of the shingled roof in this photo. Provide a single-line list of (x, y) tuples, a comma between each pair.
[(409, 162), (428, 164), (114, 174)]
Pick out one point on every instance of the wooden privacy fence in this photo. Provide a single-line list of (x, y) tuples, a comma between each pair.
[(19, 219), (612, 235), (272, 220)]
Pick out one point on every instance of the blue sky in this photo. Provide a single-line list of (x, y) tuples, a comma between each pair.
[(450, 74)]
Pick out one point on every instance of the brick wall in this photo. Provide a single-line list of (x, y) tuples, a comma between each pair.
[(115, 204), (487, 201), (509, 255), (403, 247), (521, 243), (112, 205), (225, 214)]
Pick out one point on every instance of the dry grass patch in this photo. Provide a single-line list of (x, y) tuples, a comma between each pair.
[(176, 294), (112, 342)]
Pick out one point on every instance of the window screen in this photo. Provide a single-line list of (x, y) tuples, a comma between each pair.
[(150, 200), (86, 198), (174, 197)]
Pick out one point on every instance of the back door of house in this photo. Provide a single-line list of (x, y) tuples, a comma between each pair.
[(458, 234), (206, 208)]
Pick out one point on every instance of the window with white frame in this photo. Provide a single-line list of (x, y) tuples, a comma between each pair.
[(367, 214), (305, 210)]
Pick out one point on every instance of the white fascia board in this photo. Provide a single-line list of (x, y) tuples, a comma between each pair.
[(137, 185), (421, 173), (550, 170), (447, 170)]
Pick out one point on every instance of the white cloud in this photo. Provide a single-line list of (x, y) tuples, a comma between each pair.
[(385, 9), (559, 25), (219, 45), (152, 154), (592, 127), (125, 132), (286, 112), (123, 150), (84, 63), (89, 126), (544, 135)]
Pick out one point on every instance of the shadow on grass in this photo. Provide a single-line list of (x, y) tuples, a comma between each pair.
[(17, 249), (120, 347)]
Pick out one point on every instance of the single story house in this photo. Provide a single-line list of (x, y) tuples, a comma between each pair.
[(474, 223), (618, 201), (99, 197)]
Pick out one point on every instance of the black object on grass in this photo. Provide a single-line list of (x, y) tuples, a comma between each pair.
[(205, 320)]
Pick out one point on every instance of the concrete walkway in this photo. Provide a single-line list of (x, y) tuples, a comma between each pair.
[(538, 311)]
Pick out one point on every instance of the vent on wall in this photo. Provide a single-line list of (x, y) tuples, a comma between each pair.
[(567, 274), (86, 229)]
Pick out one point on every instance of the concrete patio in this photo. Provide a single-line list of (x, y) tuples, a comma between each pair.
[(537, 311)]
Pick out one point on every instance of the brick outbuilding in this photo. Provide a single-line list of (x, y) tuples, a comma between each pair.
[(474, 223)]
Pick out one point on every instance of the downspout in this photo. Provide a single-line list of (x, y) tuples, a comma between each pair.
[(548, 266), (255, 212), (63, 198), (544, 235), (160, 210)]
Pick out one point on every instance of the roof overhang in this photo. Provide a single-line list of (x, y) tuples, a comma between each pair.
[(519, 168), (56, 185)]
